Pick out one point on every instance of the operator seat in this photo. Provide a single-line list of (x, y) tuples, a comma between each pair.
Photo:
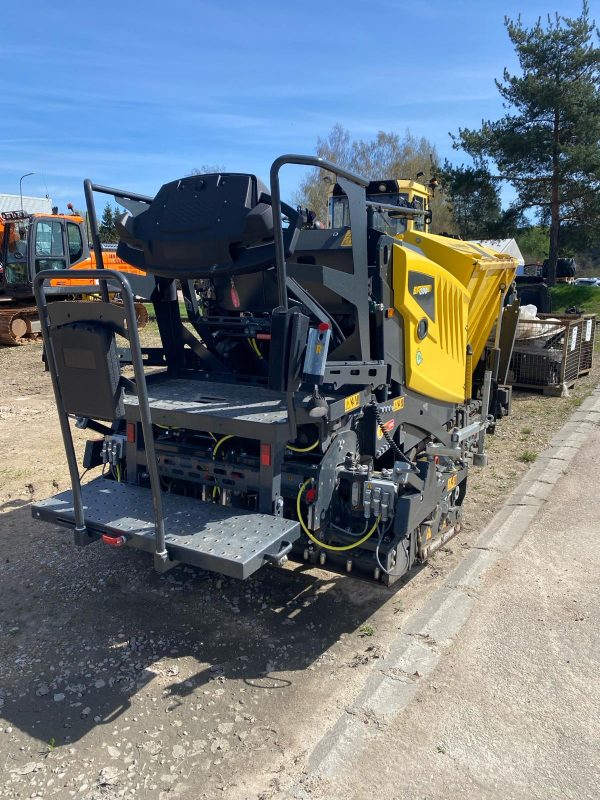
[(203, 226)]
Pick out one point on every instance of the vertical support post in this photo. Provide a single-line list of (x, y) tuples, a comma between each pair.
[(81, 535), (93, 224), (269, 492), (278, 235), (161, 556), (490, 374)]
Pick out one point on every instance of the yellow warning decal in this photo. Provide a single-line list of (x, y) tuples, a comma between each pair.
[(452, 481), (398, 404), (347, 240), (352, 402)]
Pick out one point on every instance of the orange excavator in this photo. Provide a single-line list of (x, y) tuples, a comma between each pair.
[(30, 243)]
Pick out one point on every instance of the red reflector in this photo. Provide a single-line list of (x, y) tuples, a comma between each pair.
[(323, 326), (131, 431), (266, 336), (265, 455), (311, 496), (113, 541)]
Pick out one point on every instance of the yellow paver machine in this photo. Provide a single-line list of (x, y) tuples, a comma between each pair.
[(321, 399)]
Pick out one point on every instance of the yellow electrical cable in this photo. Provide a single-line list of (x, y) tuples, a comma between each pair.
[(220, 442), (255, 347), (303, 449), (317, 541)]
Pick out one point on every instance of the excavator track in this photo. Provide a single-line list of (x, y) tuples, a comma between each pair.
[(17, 325), (20, 325)]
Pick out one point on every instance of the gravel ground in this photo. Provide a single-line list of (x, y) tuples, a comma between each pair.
[(116, 682)]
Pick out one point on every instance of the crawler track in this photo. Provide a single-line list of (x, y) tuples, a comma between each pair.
[(17, 325)]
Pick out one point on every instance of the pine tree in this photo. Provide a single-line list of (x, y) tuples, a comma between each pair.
[(548, 144), (473, 199), (107, 230)]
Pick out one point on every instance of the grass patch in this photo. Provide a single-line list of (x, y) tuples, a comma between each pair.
[(528, 457), (367, 630), (150, 310), (585, 297)]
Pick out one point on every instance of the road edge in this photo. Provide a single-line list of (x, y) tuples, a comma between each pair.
[(427, 634)]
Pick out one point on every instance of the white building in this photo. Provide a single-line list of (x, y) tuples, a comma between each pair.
[(31, 205)]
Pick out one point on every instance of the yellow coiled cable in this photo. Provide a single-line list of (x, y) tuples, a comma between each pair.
[(314, 539)]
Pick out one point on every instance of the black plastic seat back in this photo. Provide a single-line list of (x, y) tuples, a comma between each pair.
[(201, 225), (87, 361)]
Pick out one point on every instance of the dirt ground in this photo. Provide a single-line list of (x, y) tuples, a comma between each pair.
[(116, 682)]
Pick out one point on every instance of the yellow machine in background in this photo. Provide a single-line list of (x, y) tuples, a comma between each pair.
[(411, 197)]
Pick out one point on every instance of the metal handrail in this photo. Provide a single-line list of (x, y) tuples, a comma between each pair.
[(400, 210), (88, 190), (307, 161), (105, 277)]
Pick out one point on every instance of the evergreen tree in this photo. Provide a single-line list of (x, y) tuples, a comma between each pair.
[(107, 229), (548, 144), (473, 199)]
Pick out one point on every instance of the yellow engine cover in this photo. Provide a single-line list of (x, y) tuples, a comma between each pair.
[(435, 307), (457, 287)]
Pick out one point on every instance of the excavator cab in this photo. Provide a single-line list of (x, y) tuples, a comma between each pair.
[(394, 206), (32, 243), (14, 256)]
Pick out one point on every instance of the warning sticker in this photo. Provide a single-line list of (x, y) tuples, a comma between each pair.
[(352, 402), (398, 404), (573, 339), (347, 240), (588, 329)]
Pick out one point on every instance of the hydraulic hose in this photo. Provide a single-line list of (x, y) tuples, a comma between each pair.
[(335, 548)]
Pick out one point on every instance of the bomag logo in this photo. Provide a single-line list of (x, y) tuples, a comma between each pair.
[(425, 288)]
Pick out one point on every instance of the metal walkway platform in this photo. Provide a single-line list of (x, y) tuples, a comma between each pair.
[(215, 407), (226, 540)]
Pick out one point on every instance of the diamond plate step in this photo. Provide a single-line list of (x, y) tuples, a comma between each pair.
[(225, 540)]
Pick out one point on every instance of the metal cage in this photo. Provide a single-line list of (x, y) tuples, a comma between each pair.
[(546, 353)]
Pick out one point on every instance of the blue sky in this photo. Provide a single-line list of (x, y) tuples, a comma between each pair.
[(136, 94)]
